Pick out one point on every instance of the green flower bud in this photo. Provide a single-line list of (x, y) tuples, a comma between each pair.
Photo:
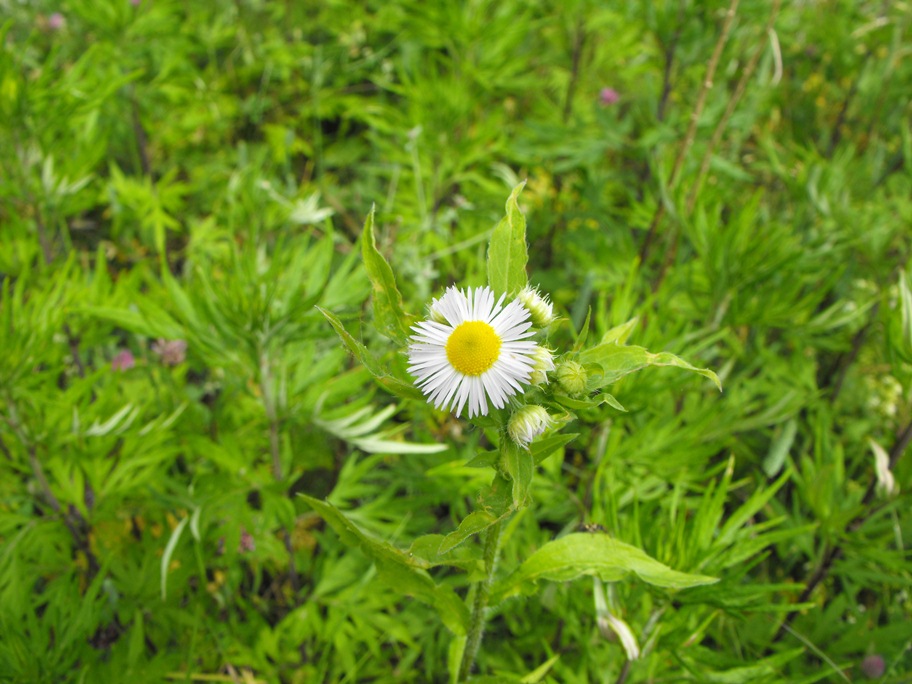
[(527, 423), (540, 309), (572, 378), (544, 363), (435, 314)]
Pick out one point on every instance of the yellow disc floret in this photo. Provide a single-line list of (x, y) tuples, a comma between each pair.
[(473, 347)]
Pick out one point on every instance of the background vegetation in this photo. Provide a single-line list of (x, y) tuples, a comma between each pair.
[(181, 183)]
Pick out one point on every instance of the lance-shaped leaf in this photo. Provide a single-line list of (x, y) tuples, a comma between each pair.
[(507, 252), (396, 568), (496, 504), (615, 361), (582, 554), (389, 316), (543, 448), (390, 383), (518, 465)]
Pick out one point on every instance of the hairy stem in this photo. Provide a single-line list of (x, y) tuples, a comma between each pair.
[(480, 606)]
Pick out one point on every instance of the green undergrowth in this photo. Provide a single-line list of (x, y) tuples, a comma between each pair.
[(203, 482)]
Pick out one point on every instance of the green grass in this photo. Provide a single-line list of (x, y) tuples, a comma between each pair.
[(202, 171)]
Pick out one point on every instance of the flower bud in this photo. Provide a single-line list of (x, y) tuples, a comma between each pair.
[(540, 309), (544, 363), (527, 423), (435, 314), (572, 378)]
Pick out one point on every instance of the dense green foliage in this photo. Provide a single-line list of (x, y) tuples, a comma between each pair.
[(183, 187)]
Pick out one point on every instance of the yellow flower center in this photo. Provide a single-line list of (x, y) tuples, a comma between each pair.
[(473, 347)]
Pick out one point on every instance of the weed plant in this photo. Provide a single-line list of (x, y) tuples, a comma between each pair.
[(215, 463)]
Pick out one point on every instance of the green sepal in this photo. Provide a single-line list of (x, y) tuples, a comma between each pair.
[(397, 569), (389, 316), (580, 554), (507, 251)]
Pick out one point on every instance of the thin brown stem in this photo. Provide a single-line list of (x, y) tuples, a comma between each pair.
[(704, 91), (740, 88), (694, 121)]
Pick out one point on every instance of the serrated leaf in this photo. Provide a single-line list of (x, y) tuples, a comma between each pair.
[(396, 568), (615, 361), (580, 554), (389, 316), (507, 251)]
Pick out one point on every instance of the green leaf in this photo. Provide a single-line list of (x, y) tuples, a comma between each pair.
[(389, 316), (427, 554), (541, 449), (473, 523), (507, 254), (615, 361), (390, 383), (519, 465), (779, 449), (539, 672), (496, 504), (397, 569), (166, 556), (583, 332), (580, 554), (620, 333)]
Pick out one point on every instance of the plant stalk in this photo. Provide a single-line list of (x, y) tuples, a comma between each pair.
[(480, 606)]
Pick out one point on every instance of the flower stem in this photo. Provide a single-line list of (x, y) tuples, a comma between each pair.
[(479, 608)]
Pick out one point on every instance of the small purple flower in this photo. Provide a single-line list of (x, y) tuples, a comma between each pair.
[(172, 352), (136, 3), (873, 666), (123, 361), (608, 97), (247, 543), (56, 21)]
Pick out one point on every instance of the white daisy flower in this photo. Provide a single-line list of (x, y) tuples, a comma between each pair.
[(472, 350)]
